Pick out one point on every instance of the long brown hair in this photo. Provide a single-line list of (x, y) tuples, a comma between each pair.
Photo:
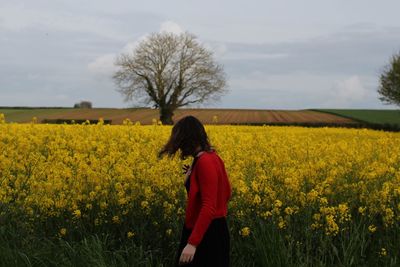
[(186, 135)]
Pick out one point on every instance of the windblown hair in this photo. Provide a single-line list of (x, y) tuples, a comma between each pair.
[(186, 135)]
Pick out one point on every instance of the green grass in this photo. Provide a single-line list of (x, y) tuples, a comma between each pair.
[(378, 116), (266, 246), (17, 115)]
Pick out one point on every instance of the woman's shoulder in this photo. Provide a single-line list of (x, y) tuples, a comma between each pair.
[(208, 157)]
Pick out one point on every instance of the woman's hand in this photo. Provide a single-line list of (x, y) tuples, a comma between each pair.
[(187, 254), (185, 168)]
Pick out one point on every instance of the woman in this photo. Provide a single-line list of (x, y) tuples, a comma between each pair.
[(205, 239)]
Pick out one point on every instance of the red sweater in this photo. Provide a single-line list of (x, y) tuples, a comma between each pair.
[(208, 196)]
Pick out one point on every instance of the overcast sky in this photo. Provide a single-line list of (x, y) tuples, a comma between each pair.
[(276, 54)]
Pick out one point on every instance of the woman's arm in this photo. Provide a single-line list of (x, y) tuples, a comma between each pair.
[(207, 175)]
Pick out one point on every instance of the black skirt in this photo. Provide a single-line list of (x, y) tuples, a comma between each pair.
[(214, 248)]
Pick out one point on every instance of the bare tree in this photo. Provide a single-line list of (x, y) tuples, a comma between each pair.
[(389, 87), (169, 71)]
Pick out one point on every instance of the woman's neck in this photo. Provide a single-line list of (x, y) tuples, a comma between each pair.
[(200, 151), (197, 151)]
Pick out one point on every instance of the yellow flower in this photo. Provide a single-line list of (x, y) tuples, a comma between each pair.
[(122, 201), (266, 214), (63, 231), (388, 217), (278, 203), (245, 231), (180, 211), (115, 219), (2, 118), (168, 232), (103, 205), (105, 170), (312, 195), (126, 121), (92, 194), (323, 201), (317, 216), (383, 252), (281, 223), (77, 213), (344, 213), (332, 228), (130, 234), (289, 211), (361, 210), (256, 200), (144, 204), (372, 228)]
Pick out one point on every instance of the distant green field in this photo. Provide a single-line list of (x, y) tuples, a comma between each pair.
[(17, 115), (367, 115)]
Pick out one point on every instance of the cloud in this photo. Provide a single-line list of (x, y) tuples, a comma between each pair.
[(20, 17), (347, 92), (350, 89), (172, 27), (32, 98), (104, 64), (130, 47), (352, 51), (302, 90), (254, 56), (218, 48), (62, 97)]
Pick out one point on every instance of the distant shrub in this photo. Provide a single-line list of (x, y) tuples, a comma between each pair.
[(83, 104)]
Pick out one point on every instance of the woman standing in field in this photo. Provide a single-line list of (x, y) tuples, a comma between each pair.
[(205, 239)]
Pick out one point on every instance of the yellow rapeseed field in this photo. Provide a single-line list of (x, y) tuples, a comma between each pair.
[(109, 174)]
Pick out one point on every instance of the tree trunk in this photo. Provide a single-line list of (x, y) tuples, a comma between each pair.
[(166, 116)]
